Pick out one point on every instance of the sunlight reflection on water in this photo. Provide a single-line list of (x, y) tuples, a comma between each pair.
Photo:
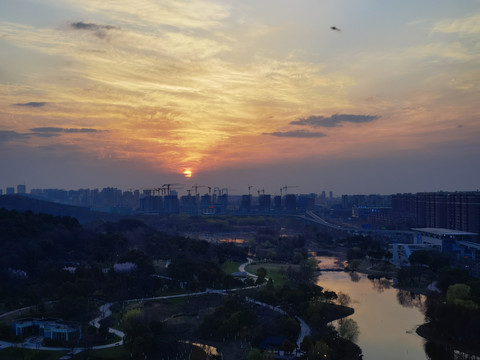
[(386, 327)]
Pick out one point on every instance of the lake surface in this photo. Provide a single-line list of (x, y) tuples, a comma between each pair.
[(387, 328)]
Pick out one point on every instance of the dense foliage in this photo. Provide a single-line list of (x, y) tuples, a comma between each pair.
[(43, 257)]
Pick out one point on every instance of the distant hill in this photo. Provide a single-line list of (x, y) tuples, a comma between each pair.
[(24, 203)]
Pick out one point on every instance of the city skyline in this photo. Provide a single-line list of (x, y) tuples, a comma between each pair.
[(229, 94)]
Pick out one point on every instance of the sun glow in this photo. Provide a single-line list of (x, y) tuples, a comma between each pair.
[(187, 173)]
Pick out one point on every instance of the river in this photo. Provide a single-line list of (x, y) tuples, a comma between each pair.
[(386, 327)]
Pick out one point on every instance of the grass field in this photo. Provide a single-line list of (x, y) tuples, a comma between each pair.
[(274, 271), (231, 266)]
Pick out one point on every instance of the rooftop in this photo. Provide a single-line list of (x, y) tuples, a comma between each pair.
[(440, 231)]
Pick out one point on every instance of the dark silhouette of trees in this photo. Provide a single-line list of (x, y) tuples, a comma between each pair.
[(229, 320)]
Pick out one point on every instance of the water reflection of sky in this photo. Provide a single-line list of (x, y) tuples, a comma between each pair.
[(328, 262), (387, 328)]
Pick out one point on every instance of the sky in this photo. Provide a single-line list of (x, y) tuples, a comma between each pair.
[(238, 93)]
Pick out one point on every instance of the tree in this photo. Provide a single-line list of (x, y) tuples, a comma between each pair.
[(254, 354), (261, 273), (319, 351), (306, 344), (354, 253), (354, 264), (349, 329), (329, 296), (422, 257), (344, 299), (459, 294), (288, 346)]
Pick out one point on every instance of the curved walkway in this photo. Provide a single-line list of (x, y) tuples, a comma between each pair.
[(105, 312), (304, 328)]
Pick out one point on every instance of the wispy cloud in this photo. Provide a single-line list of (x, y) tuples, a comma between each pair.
[(469, 25), (297, 134), (32, 104), (191, 14), (334, 120)]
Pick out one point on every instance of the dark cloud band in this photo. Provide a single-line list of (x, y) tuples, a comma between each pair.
[(334, 120), (100, 31), (45, 132), (32, 104), (297, 134), (7, 135), (89, 26), (63, 130)]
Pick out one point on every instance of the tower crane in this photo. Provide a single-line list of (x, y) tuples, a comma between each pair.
[(286, 187), (249, 187), (196, 186), (168, 187), (148, 192)]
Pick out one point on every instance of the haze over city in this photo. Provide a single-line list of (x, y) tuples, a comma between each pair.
[(238, 93)]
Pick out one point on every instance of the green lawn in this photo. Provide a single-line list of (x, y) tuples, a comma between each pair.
[(274, 271), (231, 266)]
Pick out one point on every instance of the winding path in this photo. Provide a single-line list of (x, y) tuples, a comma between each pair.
[(304, 328), (105, 312)]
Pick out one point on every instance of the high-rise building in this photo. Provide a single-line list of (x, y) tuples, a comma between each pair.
[(10, 190), (457, 210), (264, 202), (277, 202), (246, 203), (290, 202)]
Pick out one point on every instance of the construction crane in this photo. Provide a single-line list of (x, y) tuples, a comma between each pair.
[(249, 187), (196, 186), (286, 187), (148, 192), (168, 187)]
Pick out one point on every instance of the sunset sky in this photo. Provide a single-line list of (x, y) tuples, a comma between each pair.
[(132, 94)]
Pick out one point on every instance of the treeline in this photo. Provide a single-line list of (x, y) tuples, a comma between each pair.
[(452, 313), (44, 257)]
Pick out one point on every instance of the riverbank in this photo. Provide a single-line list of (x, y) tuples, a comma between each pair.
[(428, 332)]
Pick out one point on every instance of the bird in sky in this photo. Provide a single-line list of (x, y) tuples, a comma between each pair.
[(335, 28)]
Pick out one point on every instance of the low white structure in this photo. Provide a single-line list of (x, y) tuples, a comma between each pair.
[(445, 239), (48, 328)]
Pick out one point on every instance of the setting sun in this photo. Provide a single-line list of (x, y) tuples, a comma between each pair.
[(187, 173)]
